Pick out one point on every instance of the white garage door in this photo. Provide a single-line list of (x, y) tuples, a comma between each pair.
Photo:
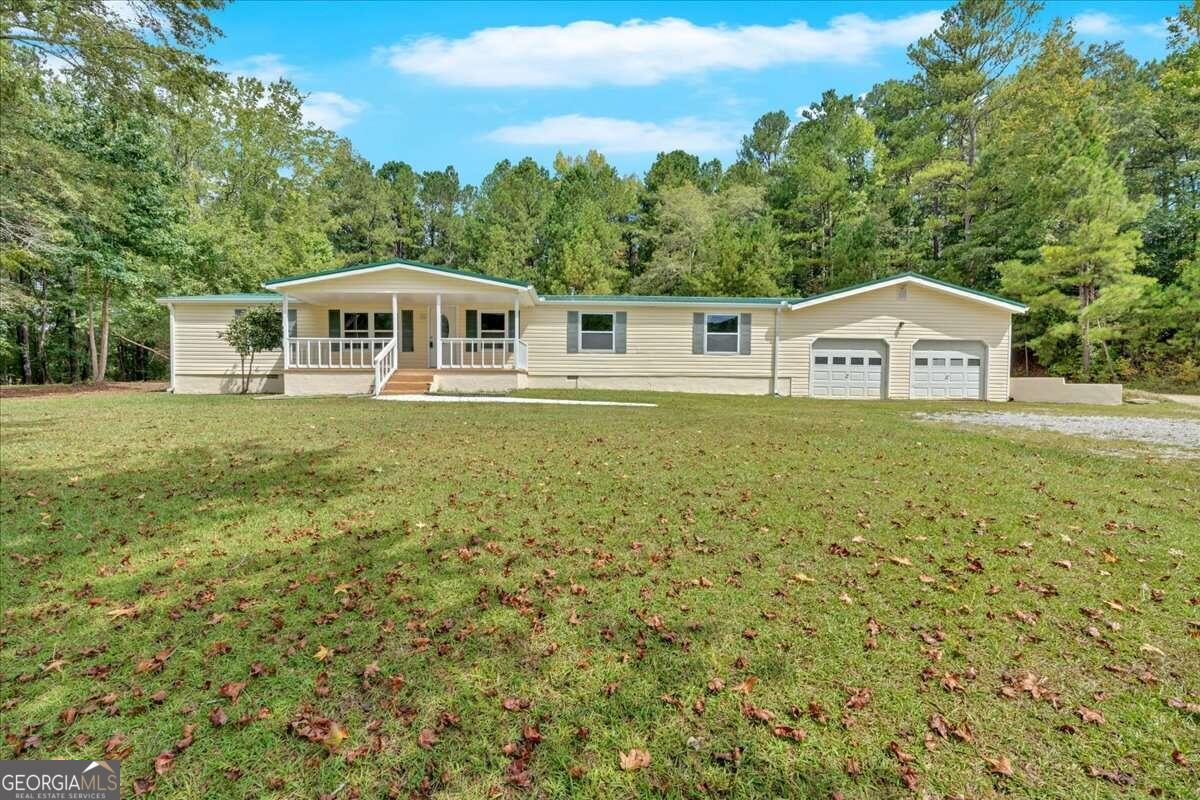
[(952, 370), (851, 368)]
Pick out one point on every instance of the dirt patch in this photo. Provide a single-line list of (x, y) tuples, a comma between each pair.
[(1180, 433), (14, 391)]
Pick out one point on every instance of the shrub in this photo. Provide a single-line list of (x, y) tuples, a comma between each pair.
[(250, 333)]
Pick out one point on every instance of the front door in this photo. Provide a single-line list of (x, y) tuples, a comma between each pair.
[(449, 315)]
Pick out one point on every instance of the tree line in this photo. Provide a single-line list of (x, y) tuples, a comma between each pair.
[(1013, 160)]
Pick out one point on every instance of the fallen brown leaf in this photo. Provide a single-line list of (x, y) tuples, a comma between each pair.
[(1000, 765), (634, 760), (858, 698)]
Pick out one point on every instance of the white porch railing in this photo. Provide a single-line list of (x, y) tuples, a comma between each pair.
[(385, 365), (462, 353), (335, 353)]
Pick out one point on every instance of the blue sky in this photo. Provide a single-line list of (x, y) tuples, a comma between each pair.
[(471, 83)]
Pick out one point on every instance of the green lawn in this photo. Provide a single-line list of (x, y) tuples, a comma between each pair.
[(305, 598)]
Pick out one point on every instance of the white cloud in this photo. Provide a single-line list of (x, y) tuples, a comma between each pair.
[(1100, 24), (1096, 23), (642, 53), (327, 109), (1157, 30), (331, 110), (266, 67), (125, 12), (611, 135)]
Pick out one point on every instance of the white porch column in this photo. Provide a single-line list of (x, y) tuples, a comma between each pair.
[(516, 333), (396, 325), (286, 347), (437, 335)]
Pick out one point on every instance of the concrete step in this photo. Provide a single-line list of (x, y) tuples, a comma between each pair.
[(406, 387), (409, 381)]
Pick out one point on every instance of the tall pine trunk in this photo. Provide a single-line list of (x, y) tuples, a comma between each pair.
[(43, 331), (72, 322), (72, 352), (1085, 299), (98, 350), (102, 375), (92, 339), (23, 343)]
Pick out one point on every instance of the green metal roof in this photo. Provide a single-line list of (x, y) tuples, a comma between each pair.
[(462, 273), (235, 297), (661, 298), (251, 297), (947, 284)]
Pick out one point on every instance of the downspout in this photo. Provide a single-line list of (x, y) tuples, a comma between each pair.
[(1008, 373), (171, 312), (775, 352)]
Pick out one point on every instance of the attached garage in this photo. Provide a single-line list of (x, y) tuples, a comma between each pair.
[(948, 370), (917, 337), (848, 368)]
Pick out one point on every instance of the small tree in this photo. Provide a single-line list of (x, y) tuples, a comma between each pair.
[(250, 333)]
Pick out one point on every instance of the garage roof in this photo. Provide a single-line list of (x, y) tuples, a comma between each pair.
[(921, 280)]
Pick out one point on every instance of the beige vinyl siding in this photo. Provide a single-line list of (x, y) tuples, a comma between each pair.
[(658, 342), (926, 314), (198, 351)]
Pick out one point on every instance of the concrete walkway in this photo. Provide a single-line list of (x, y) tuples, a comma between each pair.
[(1186, 399), (479, 398)]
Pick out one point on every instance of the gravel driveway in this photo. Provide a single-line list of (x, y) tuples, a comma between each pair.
[(1152, 430)]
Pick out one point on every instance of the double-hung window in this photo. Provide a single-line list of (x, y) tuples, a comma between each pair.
[(355, 325), (493, 325), (721, 333), (596, 333), (383, 327)]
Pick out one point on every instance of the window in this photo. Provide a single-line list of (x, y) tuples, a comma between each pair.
[(493, 324), (292, 326), (956, 362), (839, 360), (383, 325), (383, 328), (875, 361), (596, 333), (939, 362), (856, 361), (355, 325), (720, 333), (972, 362), (237, 312), (922, 362), (821, 360)]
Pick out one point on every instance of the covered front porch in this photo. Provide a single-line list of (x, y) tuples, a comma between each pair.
[(367, 328)]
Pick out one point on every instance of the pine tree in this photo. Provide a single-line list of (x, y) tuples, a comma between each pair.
[(1083, 281)]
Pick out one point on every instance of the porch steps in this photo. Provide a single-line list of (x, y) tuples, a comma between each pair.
[(409, 381)]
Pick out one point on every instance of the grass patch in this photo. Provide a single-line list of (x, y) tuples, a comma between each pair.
[(767, 597)]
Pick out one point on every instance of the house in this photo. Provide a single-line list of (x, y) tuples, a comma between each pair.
[(401, 327)]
